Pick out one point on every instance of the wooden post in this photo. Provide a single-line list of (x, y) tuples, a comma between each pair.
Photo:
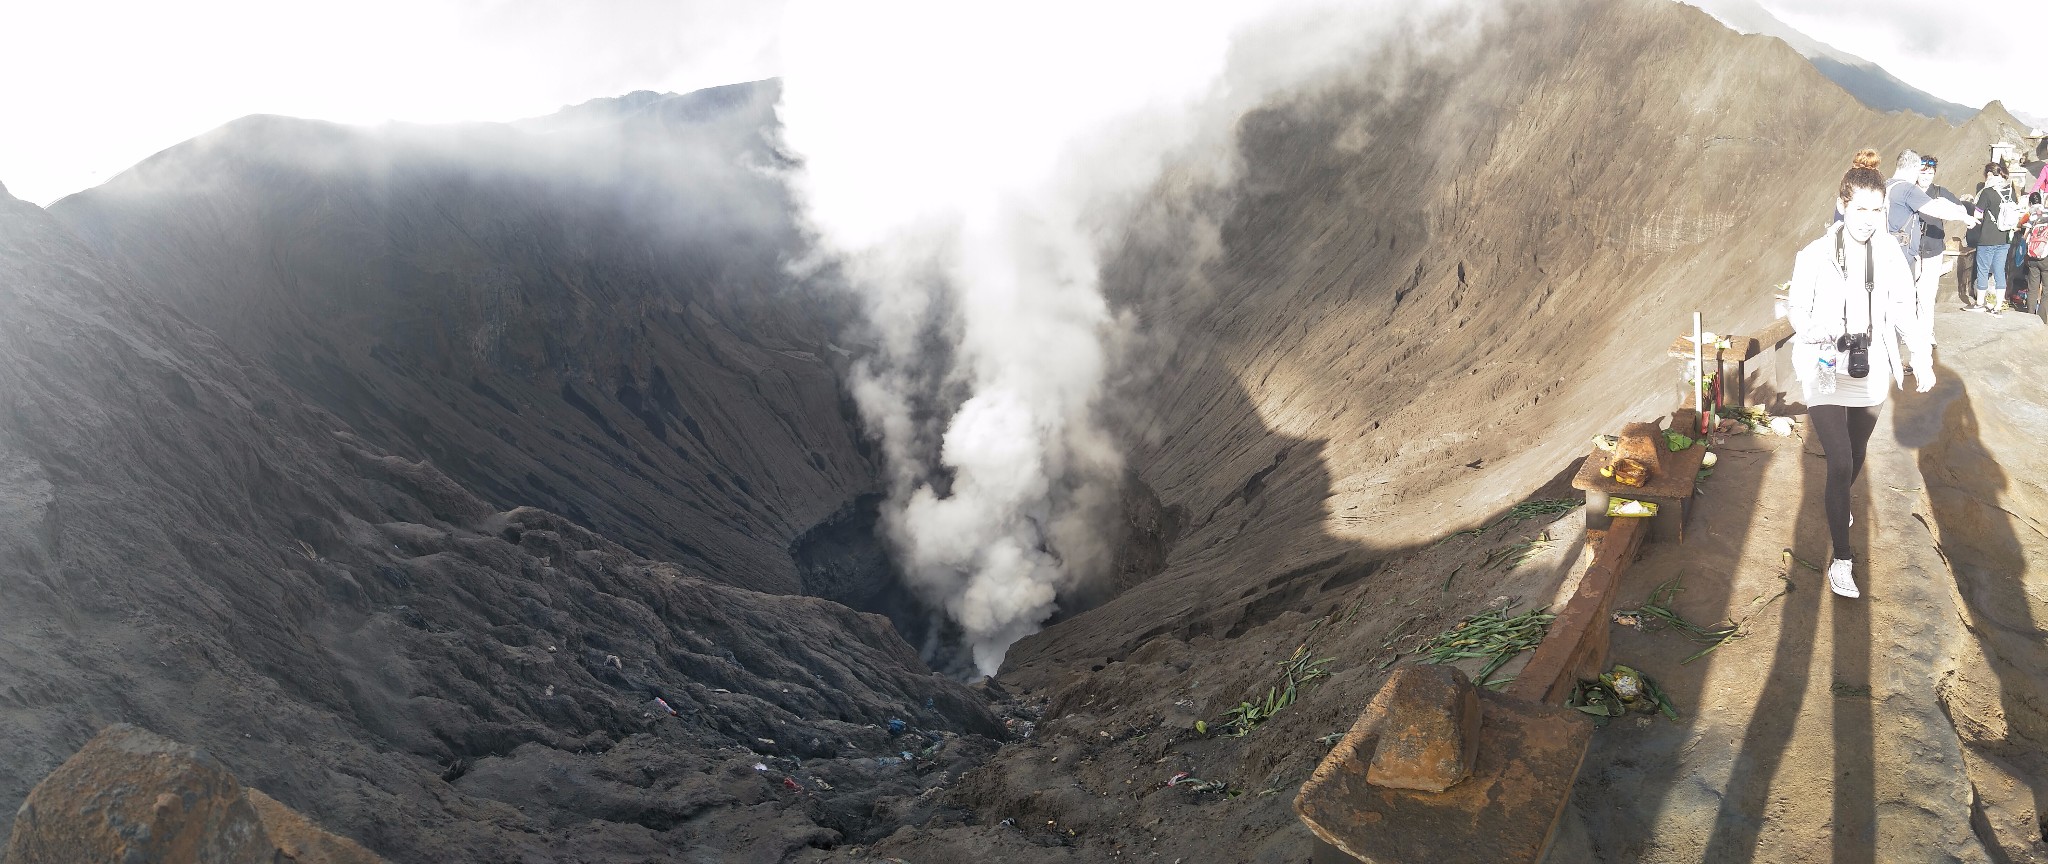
[(1699, 374)]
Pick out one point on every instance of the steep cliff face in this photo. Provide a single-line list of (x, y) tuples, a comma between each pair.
[(290, 411), (588, 312), (1434, 287), (187, 544)]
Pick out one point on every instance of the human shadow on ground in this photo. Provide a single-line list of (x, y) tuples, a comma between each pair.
[(1633, 773), (1986, 557), (1767, 737), (1855, 785)]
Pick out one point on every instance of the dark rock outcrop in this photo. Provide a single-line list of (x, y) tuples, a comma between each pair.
[(590, 312), (132, 796), (187, 544)]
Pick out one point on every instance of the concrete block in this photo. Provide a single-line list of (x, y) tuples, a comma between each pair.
[(1643, 442), (130, 795), (1429, 736), (1529, 756)]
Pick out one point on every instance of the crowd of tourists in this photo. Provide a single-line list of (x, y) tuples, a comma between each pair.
[(1862, 299), (2003, 263)]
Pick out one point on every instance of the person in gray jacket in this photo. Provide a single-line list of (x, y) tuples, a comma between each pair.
[(1853, 287), (1910, 209)]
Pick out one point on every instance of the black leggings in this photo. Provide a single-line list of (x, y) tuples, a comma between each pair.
[(1844, 436), (1966, 276)]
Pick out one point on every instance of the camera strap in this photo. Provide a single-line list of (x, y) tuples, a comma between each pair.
[(1869, 279)]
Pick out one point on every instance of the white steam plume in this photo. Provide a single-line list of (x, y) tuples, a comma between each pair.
[(956, 158)]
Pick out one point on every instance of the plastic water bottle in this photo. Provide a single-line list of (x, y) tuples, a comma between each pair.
[(1824, 378)]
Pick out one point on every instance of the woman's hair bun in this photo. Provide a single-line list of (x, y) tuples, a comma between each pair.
[(1865, 158)]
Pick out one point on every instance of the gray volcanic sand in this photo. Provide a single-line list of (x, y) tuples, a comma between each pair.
[(356, 456)]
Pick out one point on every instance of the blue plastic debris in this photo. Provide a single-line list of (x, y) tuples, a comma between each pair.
[(897, 726)]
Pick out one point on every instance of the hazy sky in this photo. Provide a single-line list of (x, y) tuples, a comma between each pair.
[(89, 87), (1965, 51)]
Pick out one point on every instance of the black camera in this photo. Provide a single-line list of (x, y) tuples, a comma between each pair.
[(1857, 346)]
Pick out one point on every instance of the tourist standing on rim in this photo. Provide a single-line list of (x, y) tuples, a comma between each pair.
[(1966, 263), (1852, 299), (1910, 208), (1992, 241), (2034, 241), (1937, 236)]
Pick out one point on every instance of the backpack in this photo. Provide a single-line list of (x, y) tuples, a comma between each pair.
[(2008, 215), (1909, 231), (2037, 240)]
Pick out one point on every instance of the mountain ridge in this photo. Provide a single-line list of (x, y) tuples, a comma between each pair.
[(1867, 81), (444, 290)]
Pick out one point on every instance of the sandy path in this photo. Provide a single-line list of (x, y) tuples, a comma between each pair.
[(1826, 733)]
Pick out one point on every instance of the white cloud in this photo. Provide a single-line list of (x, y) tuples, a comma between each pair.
[(89, 88), (1966, 51)]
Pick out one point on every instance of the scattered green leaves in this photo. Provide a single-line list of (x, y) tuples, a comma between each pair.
[(1296, 671), (1521, 513), (1516, 554), (1755, 417), (1355, 606), (1663, 702), (1399, 631), (1658, 609), (1301, 670), (1240, 721), (1542, 507), (1187, 781), (1493, 635), (1789, 558)]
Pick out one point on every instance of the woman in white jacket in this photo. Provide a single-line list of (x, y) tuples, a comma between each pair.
[(1853, 284)]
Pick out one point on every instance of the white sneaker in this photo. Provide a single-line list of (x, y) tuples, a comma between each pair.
[(1841, 580)]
